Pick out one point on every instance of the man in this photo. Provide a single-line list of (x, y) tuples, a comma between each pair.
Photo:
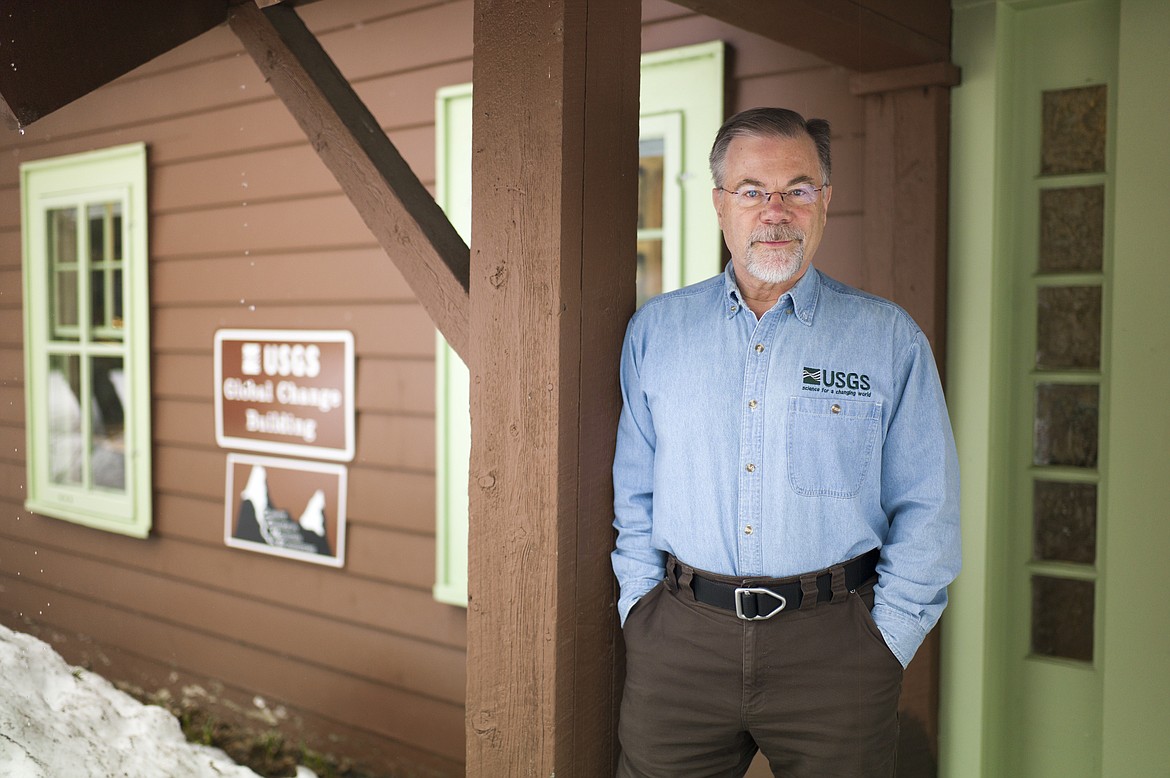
[(786, 491)]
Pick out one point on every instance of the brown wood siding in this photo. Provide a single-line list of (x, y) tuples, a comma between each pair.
[(249, 230)]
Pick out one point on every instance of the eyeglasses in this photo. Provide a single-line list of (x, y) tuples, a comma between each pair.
[(750, 197)]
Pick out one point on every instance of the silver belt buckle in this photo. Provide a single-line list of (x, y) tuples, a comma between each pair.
[(742, 590)]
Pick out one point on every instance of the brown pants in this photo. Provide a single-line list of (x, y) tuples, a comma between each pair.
[(815, 688)]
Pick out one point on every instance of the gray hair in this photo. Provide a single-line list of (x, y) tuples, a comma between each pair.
[(769, 122)]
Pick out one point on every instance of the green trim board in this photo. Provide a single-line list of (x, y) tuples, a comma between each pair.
[(976, 303), (87, 338), (1136, 642), (681, 106), (452, 378), (684, 86)]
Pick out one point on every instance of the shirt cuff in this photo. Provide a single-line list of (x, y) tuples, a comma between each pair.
[(903, 636), (632, 591)]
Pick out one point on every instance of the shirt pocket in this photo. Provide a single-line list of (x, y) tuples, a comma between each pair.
[(830, 445)]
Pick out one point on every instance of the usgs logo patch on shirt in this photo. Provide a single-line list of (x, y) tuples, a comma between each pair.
[(816, 379)]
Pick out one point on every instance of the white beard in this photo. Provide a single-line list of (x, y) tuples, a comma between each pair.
[(774, 267)]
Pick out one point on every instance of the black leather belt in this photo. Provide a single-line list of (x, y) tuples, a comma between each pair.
[(763, 599)]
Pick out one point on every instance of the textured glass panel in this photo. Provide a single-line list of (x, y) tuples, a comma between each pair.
[(649, 269), (1068, 327), (108, 458), (1065, 431), (1062, 617), (1072, 229), (1064, 522), (66, 437), (1074, 131)]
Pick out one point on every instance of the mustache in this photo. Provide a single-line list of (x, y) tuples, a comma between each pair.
[(776, 232)]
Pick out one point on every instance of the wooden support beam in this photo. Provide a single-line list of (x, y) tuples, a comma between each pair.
[(932, 74), (862, 35), (554, 207), (907, 163), (907, 142), (400, 212)]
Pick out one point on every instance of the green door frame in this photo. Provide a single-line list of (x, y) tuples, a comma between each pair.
[(1134, 629)]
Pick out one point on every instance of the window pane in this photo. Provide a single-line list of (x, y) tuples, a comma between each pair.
[(62, 263), (98, 232), (1064, 522), (1068, 328), (105, 269), (1062, 617), (1074, 131), (651, 164), (1065, 431), (651, 170), (1072, 229), (116, 231), (116, 303), (98, 293), (65, 435), (108, 441), (649, 269), (65, 305)]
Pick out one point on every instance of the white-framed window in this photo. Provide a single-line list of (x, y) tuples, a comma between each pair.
[(678, 243), (87, 338)]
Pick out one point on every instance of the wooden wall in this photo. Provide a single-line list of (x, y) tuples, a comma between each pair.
[(761, 72), (249, 230)]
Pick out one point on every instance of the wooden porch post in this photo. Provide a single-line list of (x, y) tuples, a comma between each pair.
[(907, 142), (552, 285)]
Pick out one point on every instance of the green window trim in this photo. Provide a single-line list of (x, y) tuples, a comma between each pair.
[(87, 336), (452, 378), (682, 106)]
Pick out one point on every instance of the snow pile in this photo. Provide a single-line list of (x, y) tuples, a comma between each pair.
[(59, 721)]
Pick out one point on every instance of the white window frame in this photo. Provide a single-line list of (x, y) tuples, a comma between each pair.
[(682, 102), (110, 175)]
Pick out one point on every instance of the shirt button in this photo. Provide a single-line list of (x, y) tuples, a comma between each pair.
[(759, 348), (734, 308), (752, 404), (751, 468), (836, 408), (747, 530)]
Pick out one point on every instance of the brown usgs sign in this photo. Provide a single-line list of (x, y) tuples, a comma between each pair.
[(285, 392)]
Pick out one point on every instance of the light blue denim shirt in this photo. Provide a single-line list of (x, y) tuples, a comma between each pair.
[(787, 444)]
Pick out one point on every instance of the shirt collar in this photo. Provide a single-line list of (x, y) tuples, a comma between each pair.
[(802, 297)]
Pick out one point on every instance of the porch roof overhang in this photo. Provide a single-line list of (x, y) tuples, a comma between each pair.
[(862, 35), (54, 53)]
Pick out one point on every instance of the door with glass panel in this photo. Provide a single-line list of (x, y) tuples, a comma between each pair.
[(1052, 523)]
